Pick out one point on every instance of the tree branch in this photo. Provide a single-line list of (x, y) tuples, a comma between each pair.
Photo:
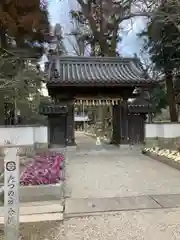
[(88, 15), (139, 14)]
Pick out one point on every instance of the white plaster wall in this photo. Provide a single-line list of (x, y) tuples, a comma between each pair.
[(172, 131), (25, 135), (41, 134), (28, 135), (164, 130), (150, 130)]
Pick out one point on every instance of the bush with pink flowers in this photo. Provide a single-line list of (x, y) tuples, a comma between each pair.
[(45, 169)]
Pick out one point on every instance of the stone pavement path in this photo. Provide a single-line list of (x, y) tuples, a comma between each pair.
[(103, 180), (107, 171)]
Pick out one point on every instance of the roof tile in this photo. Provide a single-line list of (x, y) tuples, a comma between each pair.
[(100, 71)]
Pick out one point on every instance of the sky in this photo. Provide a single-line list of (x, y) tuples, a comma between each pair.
[(59, 13)]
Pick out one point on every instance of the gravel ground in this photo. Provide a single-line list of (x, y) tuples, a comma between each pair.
[(130, 225), (41, 231), (114, 172)]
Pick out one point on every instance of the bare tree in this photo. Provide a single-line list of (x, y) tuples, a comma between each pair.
[(105, 16), (77, 43), (78, 36)]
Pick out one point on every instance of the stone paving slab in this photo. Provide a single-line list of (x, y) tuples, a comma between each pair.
[(91, 205), (168, 201), (35, 209)]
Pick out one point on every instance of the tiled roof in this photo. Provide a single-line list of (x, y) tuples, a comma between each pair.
[(97, 71)]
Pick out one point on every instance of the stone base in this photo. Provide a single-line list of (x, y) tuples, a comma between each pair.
[(73, 143), (124, 146)]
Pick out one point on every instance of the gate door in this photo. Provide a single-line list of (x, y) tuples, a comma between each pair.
[(57, 130), (136, 124)]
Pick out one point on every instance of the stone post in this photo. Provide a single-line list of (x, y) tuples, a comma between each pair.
[(11, 193)]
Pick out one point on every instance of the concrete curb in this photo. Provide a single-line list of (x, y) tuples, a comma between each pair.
[(170, 162), (41, 192)]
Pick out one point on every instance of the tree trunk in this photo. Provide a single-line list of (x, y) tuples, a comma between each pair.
[(3, 38), (171, 97), (104, 47)]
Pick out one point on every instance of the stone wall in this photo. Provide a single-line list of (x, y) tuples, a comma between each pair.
[(32, 139), (164, 135)]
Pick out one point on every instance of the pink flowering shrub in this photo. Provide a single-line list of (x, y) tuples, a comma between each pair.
[(46, 169)]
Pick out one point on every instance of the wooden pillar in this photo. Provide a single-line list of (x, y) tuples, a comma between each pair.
[(120, 123), (115, 124), (150, 117), (70, 124), (124, 138), (120, 119), (99, 122)]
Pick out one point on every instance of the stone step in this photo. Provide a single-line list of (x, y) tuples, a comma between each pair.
[(44, 208), (38, 218), (41, 203)]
